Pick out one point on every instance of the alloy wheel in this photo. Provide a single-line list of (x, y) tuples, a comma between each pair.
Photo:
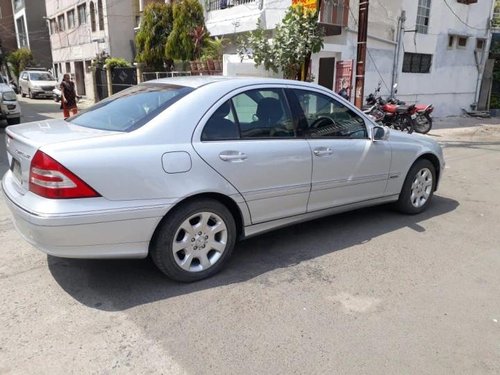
[(421, 188)]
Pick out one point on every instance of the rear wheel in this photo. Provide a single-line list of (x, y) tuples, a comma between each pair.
[(423, 123), (194, 241), (418, 188)]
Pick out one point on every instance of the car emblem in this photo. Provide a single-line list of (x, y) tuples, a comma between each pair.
[(20, 153)]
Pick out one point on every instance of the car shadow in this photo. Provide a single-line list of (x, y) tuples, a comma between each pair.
[(115, 285)]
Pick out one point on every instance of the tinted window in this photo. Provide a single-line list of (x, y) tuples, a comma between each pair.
[(131, 108), (263, 113), (41, 77), (221, 125), (326, 117)]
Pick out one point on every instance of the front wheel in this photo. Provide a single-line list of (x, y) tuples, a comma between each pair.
[(14, 121), (418, 188), (194, 241), (30, 94), (423, 123)]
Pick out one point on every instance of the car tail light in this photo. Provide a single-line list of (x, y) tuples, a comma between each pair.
[(50, 179)]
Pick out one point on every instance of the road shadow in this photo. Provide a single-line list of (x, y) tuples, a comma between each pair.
[(115, 285)]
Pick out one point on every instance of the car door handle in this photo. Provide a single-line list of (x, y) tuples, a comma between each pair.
[(232, 156), (323, 151)]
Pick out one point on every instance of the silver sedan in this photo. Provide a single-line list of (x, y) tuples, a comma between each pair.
[(182, 168)]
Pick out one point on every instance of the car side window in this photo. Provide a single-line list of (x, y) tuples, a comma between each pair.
[(263, 113), (221, 125), (25, 76), (324, 117)]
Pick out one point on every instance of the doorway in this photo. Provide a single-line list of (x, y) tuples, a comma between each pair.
[(80, 78), (326, 72)]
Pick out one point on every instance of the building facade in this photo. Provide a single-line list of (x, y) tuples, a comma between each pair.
[(439, 58), (8, 40), (31, 30), (80, 30)]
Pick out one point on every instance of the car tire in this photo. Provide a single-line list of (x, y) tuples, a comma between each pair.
[(23, 94), (418, 188), (30, 94), (194, 241), (14, 121)]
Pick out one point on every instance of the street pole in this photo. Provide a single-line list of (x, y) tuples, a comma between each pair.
[(361, 55), (397, 53)]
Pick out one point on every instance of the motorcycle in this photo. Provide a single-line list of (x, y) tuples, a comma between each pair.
[(423, 121), (400, 117)]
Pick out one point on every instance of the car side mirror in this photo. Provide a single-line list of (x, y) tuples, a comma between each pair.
[(379, 133)]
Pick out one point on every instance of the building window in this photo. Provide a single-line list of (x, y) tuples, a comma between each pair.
[(68, 67), (462, 41), (480, 44), (18, 4), (223, 4), (423, 14), (61, 23), (92, 15), (451, 41), (71, 18), (21, 32), (417, 63), (82, 14), (100, 14)]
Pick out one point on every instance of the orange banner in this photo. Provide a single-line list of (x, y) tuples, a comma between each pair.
[(308, 4)]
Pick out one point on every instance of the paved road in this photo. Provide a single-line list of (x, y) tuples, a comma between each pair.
[(365, 292)]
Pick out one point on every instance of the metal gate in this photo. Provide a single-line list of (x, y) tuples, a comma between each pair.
[(122, 78), (101, 83)]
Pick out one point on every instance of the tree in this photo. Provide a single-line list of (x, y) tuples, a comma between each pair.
[(294, 41), (152, 37), (188, 16), (20, 59), (116, 62)]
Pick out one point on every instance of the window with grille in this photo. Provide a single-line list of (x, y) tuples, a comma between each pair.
[(423, 15), (417, 63)]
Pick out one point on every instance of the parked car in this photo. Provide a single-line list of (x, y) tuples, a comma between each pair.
[(36, 83), (9, 107), (180, 168)]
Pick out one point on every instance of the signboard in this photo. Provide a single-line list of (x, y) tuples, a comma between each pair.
[(307, 4)]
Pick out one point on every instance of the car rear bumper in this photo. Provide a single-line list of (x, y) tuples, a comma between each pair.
[(104, 233)]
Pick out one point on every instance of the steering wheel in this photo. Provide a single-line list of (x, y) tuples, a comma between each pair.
[(321, 122)]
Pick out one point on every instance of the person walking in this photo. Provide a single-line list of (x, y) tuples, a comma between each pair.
[(68, 96)]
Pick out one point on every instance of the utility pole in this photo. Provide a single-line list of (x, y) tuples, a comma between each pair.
[(397, 54), (361, 58)]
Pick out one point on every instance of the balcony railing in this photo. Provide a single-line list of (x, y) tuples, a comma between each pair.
[(223, 4)]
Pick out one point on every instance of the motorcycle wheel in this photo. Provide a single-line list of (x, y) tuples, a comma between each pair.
[(423, 123), (404, 124)]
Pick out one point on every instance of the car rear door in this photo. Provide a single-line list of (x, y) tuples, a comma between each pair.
[(249, 139), (348, 166)]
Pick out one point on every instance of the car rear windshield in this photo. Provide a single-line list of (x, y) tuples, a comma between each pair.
[(41, 77), (131, 108), (9, 96)]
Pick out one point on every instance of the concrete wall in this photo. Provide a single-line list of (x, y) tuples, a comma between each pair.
[(120, 22), (451, 83), (8, 30)]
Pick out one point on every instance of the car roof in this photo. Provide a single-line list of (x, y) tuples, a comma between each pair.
[(198, 81)]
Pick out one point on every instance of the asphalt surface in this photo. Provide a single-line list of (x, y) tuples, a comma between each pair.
[(370, 291)]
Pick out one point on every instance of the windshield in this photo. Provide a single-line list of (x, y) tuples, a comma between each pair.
[(41, 77), (131, 108), (9, 96)]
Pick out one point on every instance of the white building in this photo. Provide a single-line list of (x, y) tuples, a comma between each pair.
[(82, 29), (441, 43)]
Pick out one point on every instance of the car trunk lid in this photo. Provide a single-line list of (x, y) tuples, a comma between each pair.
[(24, 140)]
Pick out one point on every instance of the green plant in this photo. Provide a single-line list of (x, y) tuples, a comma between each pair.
[(295, 39), (20, 59), (117, 62), (188, 15), (156, 26), (214, 48)]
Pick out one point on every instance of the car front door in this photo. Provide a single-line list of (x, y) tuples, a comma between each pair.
[(250, 140), (348, 166)]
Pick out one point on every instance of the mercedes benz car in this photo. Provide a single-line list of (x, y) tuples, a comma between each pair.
[(181, 168)]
